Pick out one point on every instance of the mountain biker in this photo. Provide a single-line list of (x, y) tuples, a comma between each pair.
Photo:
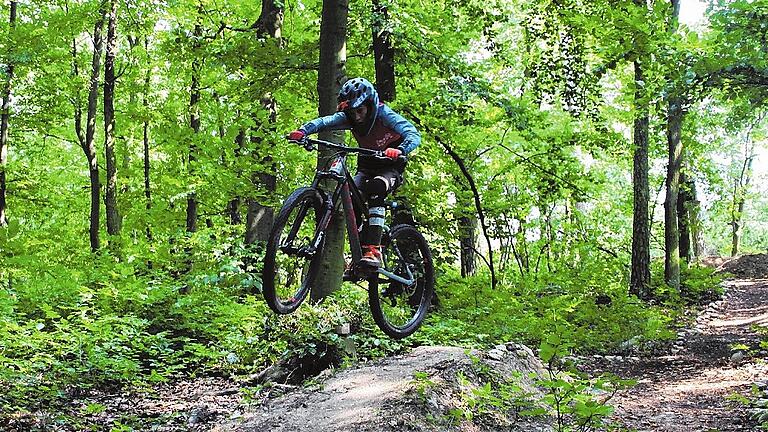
[(375, 126)]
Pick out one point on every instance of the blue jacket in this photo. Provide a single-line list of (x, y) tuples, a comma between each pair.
[(389, 129)]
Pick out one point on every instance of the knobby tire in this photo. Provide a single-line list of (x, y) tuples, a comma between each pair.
[(292, 207), (415, 300)]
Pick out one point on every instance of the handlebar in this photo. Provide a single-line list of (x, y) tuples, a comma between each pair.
[(310, 143)]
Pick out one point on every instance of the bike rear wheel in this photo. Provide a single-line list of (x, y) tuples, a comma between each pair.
[(399, 308), (291, 260)]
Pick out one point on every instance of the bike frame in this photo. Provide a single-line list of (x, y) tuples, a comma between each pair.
[(351, 198), (345, 190)]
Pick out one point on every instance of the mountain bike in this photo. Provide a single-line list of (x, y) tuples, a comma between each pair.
[(399, 292)]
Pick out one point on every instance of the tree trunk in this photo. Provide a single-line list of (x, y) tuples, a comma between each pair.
[(145, 141), (89, 147), (467, 239), (671, 230), (478, 205), (694, 221), (736, 212), (233, 207), (675, 151), (383, 53), (475, 194), (5, 116), (740, 186), (194, 118), (683, 218), (640, 279), (110, 198), (333, 58), (260, 216)]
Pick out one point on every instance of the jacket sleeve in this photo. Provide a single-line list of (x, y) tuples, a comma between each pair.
[(335, 121), (396, 122)]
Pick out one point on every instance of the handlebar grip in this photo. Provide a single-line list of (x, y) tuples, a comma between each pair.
[(380, 155)]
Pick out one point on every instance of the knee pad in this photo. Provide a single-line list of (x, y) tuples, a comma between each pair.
[(378, 185)]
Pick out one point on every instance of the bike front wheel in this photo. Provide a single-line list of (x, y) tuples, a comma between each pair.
[(399, 306), (292, 257)]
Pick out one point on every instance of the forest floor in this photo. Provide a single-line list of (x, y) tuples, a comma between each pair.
[(688, 385), (693, 386)]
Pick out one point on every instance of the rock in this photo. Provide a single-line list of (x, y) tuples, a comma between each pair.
[(198, 415), (496, 354), (343, 329), (522, 351)]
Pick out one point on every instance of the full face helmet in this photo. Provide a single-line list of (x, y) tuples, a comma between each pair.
[(356, 93)]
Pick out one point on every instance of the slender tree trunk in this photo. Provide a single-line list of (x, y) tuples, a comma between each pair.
[(260, 216), (467, 229), (671, 230), (145, 142), (89, 146), (233, 207), (5, 116), (475, 194), (383, 53), (674, 164), (110, 198), (740, 187), (194, 118), (694, 221), (478, 206), (683, 218), (640, 278), (736, 212), (333, 58)]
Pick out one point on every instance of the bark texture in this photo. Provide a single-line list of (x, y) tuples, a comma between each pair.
[(640, 278), (89, 146), (260, 214), (110, 197), (194, 118), (383, 53), (674, 164), (333, 58), (671, 230), (5, 118), (683, 217)]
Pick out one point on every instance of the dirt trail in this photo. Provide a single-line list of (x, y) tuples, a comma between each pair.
[(689, 389), (350, 401), (684, 389)]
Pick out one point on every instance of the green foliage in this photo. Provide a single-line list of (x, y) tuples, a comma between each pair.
[(578, 403), (699, 285), (474, 394), (534, 99), (475, 316)]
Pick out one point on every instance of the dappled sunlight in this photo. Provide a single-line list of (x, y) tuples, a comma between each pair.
[(761, 319)]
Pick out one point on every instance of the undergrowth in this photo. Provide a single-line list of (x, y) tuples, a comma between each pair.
[(74, 322)]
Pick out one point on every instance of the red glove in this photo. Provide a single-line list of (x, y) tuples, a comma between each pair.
[(392, 153), (297, 135)]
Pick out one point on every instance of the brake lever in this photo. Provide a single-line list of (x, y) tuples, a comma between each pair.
[(304, 142), (380, 155)]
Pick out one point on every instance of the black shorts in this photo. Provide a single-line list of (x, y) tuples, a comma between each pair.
[(379, 183)]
